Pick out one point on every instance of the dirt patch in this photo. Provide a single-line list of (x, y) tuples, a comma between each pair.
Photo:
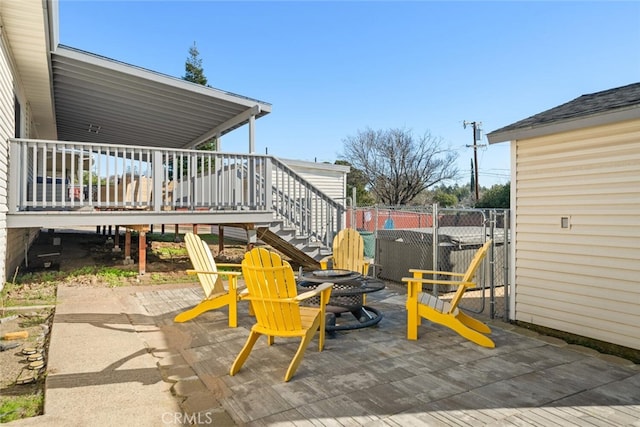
[(14, 359), (64, 256)]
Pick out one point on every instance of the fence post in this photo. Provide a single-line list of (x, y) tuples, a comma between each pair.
[(492, 285), (436, 246)]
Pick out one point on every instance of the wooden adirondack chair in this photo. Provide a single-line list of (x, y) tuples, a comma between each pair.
[(215, 294), (348, 253), (274, 299), (446, 313)]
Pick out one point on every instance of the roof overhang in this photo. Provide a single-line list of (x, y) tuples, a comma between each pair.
[(30, 30), (101, 100), (600, 119)]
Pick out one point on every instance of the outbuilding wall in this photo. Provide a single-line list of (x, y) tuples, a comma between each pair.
[(583, 279)]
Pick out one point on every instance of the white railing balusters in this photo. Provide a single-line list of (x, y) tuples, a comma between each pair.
[(53, 175)]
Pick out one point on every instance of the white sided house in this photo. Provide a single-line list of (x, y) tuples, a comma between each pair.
[(576, 216), (91, 141)]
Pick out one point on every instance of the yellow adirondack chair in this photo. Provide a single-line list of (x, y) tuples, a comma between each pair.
[(348, 253), (215, 294), (274, 299), (446, 313)]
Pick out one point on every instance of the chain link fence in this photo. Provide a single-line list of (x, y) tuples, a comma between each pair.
[(401, 238)]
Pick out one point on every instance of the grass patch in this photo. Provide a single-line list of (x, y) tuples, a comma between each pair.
[(158, 237), (18, 407), (28, 293), (40, 277), (212, 239), (114, 276), (32, 321), (170, 252)]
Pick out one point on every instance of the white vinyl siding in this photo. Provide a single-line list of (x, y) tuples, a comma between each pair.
[(329, 180), (7, 130), (13, 242), (329, 183), (584, 279)]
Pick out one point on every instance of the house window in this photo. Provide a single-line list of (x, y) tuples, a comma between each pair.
[(18, 117)]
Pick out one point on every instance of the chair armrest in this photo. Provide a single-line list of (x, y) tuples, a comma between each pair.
[(224, 273), (314, 292), (437, 282), (442, 273), (250, 297), (222, 264), (324, 262)]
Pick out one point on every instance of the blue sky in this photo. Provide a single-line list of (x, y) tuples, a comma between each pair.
[(332, 69)]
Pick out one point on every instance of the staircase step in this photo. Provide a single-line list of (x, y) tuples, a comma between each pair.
[(296, 247)]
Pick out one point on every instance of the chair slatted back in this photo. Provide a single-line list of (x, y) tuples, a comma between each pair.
[(271, 284), (348, 251), (470, 275), (202, 260)]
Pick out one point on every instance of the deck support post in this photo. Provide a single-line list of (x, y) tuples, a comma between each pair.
[(116, 240), (127, 247), (142, 252)]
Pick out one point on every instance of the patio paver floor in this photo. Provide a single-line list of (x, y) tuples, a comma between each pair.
[(376, 376)]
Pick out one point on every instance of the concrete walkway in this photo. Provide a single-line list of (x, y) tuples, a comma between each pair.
[(117, 358)]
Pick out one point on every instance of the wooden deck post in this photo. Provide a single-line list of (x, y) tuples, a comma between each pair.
[(142, 252), (116, 240), (127, 246), (142, 246), (220, 239)]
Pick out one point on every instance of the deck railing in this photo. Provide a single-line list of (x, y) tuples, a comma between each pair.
[(54, 176)]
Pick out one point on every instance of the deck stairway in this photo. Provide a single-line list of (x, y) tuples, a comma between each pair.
[(298, 248)]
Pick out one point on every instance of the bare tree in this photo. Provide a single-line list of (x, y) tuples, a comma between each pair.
[(397, 166)]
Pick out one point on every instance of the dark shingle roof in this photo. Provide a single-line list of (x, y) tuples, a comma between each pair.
[(593, 104)]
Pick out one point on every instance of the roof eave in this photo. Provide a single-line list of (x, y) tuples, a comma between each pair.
[(111, 64), (615, 116)]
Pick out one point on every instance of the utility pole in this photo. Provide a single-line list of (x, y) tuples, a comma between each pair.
[(476, 137)]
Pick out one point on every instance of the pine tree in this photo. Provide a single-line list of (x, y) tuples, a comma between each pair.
[(194, 73), (193, 67)]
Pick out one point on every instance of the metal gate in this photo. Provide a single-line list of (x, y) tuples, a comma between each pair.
[(405, 237)]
